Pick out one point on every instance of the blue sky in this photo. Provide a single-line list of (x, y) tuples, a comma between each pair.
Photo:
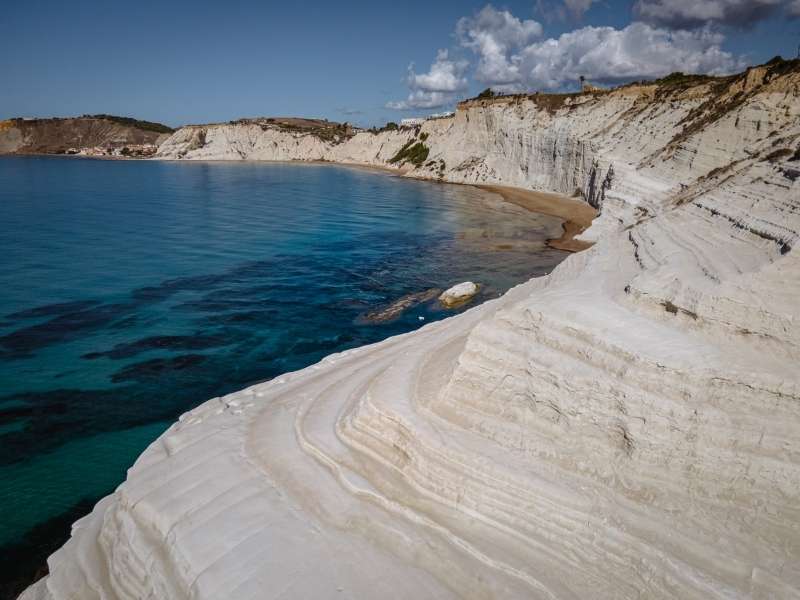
[(189, 62)]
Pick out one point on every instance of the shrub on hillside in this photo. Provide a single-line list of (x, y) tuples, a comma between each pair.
[(146, 125), (416, 154)]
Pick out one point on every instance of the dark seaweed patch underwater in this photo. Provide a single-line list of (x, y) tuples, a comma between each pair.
[(133, 291)]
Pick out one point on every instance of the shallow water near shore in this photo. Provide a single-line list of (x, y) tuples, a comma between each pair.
[(133, 291)]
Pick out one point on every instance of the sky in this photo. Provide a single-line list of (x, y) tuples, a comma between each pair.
[(365, 62)]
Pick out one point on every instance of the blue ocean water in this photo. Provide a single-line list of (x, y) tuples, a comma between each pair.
[(131, 291)]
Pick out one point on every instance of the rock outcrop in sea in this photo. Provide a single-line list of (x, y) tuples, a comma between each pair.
[(458, 294), (626, 427)]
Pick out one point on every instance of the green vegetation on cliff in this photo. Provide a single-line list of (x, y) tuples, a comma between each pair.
[(127, 121), (145, 125), (411, 152)]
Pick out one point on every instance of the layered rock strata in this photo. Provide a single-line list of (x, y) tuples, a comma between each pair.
[(626, 427)]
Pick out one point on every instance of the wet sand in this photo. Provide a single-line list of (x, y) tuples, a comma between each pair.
[(577, 214)]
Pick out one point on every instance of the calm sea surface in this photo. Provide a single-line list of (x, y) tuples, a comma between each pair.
[(132, 291)]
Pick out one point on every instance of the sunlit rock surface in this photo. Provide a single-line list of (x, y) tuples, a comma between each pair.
[(627, 427), (458, 294)]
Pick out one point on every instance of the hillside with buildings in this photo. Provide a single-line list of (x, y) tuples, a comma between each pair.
[(89, 135)]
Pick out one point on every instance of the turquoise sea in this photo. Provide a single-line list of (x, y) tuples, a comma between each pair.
[(131, 291)]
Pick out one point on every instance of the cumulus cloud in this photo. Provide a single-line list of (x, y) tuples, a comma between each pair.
[(438, 87), (687, 14), (606, 55), (511, 56), (496, 36), (445, 75), (422, 99)]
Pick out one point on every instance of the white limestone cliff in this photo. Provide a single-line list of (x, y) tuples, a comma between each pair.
[(626, 427)]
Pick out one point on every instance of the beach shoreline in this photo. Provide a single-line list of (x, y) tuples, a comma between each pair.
[(576, 214)]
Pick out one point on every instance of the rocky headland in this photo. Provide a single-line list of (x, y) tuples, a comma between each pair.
[(89, 135), (626, 427)]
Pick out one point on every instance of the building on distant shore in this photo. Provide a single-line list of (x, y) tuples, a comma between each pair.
[(587, 87), (414, 121)]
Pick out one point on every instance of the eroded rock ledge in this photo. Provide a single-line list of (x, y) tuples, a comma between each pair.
[(627, 427)]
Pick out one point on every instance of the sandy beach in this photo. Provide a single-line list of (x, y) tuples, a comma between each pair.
[(577, 214)]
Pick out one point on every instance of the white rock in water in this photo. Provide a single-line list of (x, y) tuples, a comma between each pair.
[(458, 294)]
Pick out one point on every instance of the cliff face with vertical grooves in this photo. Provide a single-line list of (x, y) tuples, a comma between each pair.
[(627, 427)]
